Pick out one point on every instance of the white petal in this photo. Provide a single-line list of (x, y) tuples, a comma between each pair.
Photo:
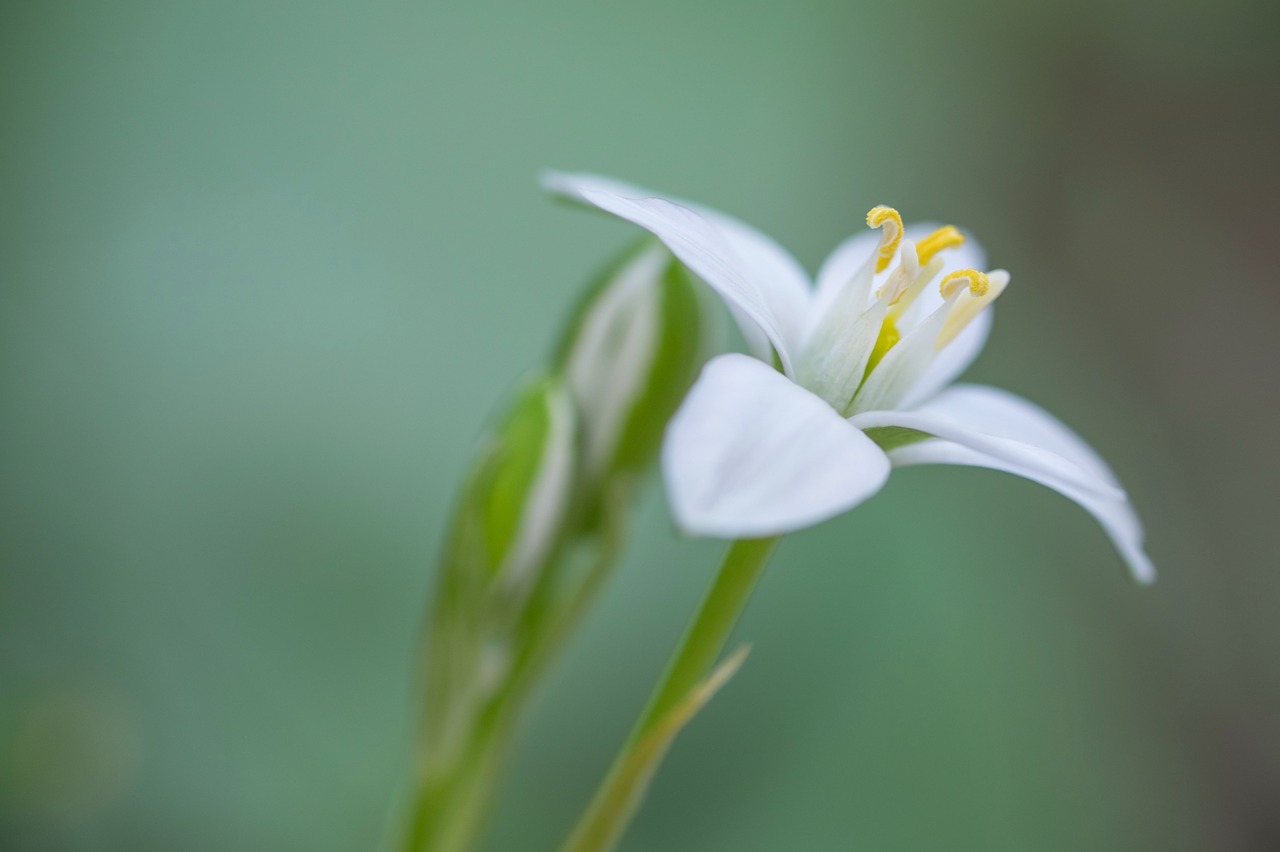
[(998, 412), (1025, 456), (840, 267), (758, 343), (969, 417), (748, 269), (1115, 515), (752, 454)]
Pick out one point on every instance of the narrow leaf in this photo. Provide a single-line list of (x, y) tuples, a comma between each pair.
[(617, 803)]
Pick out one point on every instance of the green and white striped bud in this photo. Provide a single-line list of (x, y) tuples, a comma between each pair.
[(629, 355), (509, 520), (515, 504)]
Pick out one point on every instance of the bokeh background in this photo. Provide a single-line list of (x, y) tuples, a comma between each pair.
[(266, 267)]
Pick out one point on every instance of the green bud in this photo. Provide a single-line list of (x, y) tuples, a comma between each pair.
[(633, 348), (509, 518), (516, 498)]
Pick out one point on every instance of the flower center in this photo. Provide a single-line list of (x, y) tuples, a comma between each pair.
[(917, 266), (965, 291), (873, 360), (927, 265)]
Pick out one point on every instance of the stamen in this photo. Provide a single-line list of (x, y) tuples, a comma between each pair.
[(916, 287), (969, 305), (976, 281), (944, 238), (889, 219), (901, 279)]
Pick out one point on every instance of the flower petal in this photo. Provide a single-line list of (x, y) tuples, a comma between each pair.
[(840, 267), (1025, 456), (755, 275), (1116, 516), (998, 412), (996, 415), (752, 454), (757, 342)]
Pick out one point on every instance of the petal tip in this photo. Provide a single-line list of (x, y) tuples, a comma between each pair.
[(557, 182), (1143, 571)]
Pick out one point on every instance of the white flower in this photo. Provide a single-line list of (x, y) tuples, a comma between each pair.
[(852, 376)]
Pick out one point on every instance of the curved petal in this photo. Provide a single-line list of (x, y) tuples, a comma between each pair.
[(751, 454), (1034, 459), (1116, 516), (998, 412), (967, 420), (749, 270), (757, 342), (841, 266)]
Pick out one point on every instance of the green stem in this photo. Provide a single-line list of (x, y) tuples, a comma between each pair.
[(447, 813), (602, 825), (450, 803)]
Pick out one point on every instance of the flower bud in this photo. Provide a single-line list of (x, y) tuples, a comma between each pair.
[(629, 355), (516, 498)]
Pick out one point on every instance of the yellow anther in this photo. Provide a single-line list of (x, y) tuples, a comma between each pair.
[(976, 281), (966, 307), (944, 238), (881, 216)]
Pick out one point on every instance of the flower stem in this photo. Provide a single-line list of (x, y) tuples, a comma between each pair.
[(602, 825), (447, 814), (450, 802)]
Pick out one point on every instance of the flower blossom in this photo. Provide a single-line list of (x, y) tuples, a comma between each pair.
[(852, 375)]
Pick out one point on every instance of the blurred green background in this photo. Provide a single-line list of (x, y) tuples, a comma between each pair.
[(266, 267)]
